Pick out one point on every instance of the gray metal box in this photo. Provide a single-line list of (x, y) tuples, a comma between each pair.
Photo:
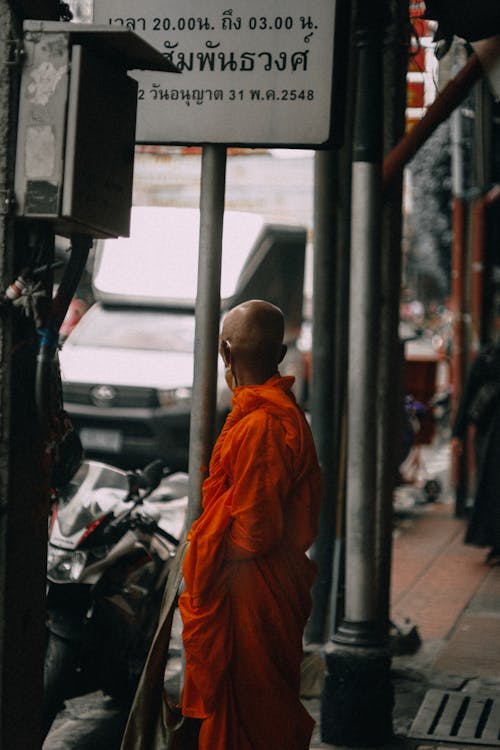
[(76, 126)]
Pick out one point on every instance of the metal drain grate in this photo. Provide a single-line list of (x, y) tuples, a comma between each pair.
[(451, 716)]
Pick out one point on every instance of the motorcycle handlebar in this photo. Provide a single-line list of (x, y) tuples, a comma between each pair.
[(147, 523), (172, 539)]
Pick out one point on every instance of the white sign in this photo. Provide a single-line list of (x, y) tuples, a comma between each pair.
[(253, 72)]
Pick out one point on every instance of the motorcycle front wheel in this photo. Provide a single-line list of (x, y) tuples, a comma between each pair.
[(61, 661)]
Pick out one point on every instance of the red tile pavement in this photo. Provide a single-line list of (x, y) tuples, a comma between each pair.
[(453, 597), (434, 573), (445, 588)]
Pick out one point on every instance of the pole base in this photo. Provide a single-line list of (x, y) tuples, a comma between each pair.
[(358, 696), (366, 634)]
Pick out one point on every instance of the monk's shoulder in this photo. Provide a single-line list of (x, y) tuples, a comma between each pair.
[(257, 420)]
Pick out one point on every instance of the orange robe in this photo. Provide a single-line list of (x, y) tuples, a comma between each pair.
[(248, 578)]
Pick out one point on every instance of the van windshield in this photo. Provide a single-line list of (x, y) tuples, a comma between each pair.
[(144, 329), (159, 261)]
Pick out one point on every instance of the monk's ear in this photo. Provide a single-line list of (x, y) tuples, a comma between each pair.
[(225, 351), (283, 352)]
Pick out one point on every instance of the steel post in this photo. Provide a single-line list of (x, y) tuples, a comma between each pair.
[(364, 309), (360, 604), (203, 411), (358, 660), (24, 468), (459, 461), (322, 386), (391, 351)]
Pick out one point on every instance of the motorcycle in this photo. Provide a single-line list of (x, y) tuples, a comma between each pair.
[(112, 535)]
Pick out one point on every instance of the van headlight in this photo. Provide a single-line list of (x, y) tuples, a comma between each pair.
[(65, 566), (175, 396)]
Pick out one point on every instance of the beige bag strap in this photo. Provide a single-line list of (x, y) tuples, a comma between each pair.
[(146, 711)]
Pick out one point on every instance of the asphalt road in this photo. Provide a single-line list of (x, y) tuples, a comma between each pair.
[(91, 722), (95, 721)]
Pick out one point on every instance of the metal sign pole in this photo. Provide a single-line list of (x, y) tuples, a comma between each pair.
[(322, 391), (213, 182)]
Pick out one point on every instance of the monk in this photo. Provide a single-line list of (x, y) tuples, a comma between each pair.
[(246, 572)]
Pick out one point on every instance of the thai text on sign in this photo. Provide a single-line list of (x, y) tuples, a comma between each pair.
[(254, 73)]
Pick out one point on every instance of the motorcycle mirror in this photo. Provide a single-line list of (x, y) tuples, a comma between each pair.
[(152, 475)]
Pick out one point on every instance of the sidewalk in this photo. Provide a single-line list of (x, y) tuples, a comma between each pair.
[(446, 589)]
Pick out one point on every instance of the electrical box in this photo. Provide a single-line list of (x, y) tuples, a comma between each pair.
[(76, 125)]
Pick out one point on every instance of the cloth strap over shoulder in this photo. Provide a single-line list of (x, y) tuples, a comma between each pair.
[(152, 718)]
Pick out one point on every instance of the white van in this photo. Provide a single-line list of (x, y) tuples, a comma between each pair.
[(127, 367)]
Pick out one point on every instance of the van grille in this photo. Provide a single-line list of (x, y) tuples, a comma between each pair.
[(126, 396)]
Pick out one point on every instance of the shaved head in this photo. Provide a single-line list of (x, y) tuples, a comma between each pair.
[(251, 340)]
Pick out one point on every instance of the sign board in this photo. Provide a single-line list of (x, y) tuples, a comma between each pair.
[(251, 73)]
